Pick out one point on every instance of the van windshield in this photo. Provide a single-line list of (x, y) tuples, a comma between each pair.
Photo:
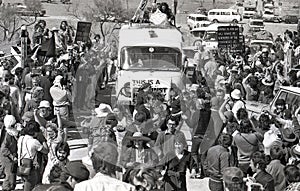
[(201, 19), (250, 9), (210, 36), (257, 23), (150, 58)]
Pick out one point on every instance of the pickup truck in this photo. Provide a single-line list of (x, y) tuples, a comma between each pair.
[(291, 95)]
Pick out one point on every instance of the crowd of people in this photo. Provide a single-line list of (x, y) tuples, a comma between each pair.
[(142, 147)]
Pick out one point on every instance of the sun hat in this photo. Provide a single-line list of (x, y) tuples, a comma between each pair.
[(236, 94), (267, 81), (295, 150), (103, 110), (233, 175), (288, 135), (9, 121), (77, 170), (44, 104), (138, 136)]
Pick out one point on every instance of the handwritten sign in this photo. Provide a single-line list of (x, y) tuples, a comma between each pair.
[(229, 38), (83, 31)]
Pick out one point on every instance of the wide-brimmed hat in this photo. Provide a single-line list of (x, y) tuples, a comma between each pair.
[(77, 170), (236, 94), (296, 149), (267, 81), (138, 136), (103, 110), (233, 175), (288, 135)]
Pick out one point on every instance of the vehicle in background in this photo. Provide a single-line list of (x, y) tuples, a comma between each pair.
[(249, 11), (256, 25), (291, 95), (269, 16), (269, 6), (23, 10), (239, 3), (224, 16), (290, 19), (201, 10), (256, 44), (197, 20), (148, 53), (198, 32), (189, 62)]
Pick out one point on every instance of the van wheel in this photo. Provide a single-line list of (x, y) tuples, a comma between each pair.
[(234, 21), (215, 21), (197, 42)]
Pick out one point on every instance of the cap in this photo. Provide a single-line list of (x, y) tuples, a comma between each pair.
[(233, 175), (77, 170), (44, 104)]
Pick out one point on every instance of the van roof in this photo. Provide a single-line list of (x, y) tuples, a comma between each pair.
[(197, 15), (214, 26), (216, 10), (291, 89), (150, 35)]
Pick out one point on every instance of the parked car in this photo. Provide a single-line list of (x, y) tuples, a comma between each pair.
[(256, 25), (224, 15), (269, 16), (291, 95), (249, 11), (290, 19), (198, 32), (23, 10), (197, 20)]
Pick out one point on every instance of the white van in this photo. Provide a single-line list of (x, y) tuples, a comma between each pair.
[(224, 16), (197, 20)]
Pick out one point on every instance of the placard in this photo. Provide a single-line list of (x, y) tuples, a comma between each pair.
[(83, 31), (229, 38)]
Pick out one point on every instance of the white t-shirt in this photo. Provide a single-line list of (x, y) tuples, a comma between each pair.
[(237, 105), (29, 146)]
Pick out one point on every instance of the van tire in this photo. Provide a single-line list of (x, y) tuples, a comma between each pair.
[(196, 42), (215, 21), (234, 21)]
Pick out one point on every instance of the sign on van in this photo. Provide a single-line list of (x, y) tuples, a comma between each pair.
[(229, 38)]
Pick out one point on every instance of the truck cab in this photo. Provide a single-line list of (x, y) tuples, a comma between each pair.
[(291, 95)]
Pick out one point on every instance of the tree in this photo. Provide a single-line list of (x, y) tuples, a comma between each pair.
[(109, 14), (11, 21)]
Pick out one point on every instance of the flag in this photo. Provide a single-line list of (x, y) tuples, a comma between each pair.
[(214, 128), (139, 11), (48, 47)]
